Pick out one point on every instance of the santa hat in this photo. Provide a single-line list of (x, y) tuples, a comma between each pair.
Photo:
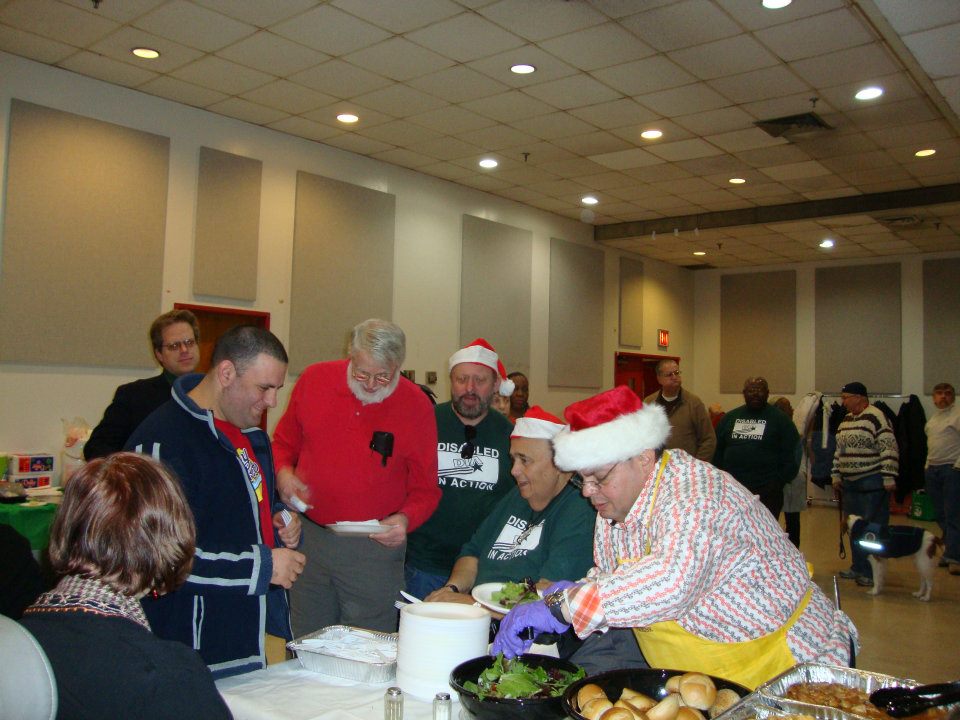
[(609, 428), (482, 353), (537, 424)]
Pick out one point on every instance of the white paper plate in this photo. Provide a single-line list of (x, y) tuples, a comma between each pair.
[(483, 594), (357, 528)]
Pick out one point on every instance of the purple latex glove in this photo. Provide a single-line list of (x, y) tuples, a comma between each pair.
[(535, 615), (558, 585)]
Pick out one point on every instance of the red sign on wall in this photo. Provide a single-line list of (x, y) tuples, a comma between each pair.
[(663, 338)]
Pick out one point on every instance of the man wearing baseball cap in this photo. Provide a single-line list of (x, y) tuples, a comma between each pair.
[(473, 458), (685, 555), (865, 466)]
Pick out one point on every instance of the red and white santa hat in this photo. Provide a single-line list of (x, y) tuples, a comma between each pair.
[(537, 424), (609, 428), (482, 353)]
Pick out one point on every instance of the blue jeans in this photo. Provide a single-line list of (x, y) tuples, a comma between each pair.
[(867, 498), (943, 487), (420, 583)]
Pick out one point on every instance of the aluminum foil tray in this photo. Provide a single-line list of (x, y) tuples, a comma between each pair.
[(773, 691), (315, 657), (756, 707)]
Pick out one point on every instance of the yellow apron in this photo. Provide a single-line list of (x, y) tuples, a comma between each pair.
[(751, 662)]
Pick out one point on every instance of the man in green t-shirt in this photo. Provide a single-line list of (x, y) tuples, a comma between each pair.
[(473, 458)]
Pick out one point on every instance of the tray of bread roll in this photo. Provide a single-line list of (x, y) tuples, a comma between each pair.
[(827, 692)]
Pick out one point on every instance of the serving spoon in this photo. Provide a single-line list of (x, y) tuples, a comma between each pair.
[(905, 701)]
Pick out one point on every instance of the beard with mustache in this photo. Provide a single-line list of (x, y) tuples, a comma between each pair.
[(471, 413), (371, 398)]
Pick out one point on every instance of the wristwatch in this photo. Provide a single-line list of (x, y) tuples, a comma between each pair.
[(554, 602)]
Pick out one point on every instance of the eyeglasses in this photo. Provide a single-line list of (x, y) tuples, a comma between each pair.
[(176, 346), (379, 378), (578, 482), (468, 449), (675, 373)]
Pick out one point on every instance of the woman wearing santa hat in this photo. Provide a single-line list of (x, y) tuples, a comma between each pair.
[(542, 528), (684, 554)]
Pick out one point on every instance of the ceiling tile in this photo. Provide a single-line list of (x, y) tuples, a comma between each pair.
[(715, 121), (103, 68), (400, 101), (787, 105), (256, 12), (304, 128), (541, 19), (182, 92), (817, 35), (747, 139), (32, 46), (896, 88), (446, 170), (194, 26), (670, 132), (219, 74), (682, 24), (119, 44), (752, 16), (457, 84), (593, 143), (57, 21), (553, 125), (400, 17), (572, 92), (810, 168), (123, 12), (404, 158), (401, 133), (496, 137), (398, 59), (606, 180), (845, 66), (779, 155), (645, 76), (598, 47), (451, 120), (729, 56), (684, 100), (498, 66), (936, 50), (466, 37), (685, 186), (448, 148), (330, 30), (287, 96), (357, 144), (905, 18), (247, 111), (273, 54), (626, 159), (510, 106), (614, 114), (575, 167), (760, 85), (832, 144), (328, 116), (340, 79), (684, 150)]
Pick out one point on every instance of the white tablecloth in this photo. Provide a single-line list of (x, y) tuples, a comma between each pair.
[(288, 692)]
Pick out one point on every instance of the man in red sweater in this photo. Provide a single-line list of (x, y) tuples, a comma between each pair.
[(357, 443)]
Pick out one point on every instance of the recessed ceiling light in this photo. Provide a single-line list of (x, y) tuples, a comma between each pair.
[(488, 163), (589, 200), (146, 53), (869, 93), (347, 118), (775, 4), (737, 181), (522, 69), (925, 153), (651, 134), (828, 243), (699, 253)]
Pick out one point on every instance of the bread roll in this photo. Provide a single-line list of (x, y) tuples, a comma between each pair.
[(697, 690), (725, 700), (666, 709), (689, 713), (673, 683), (617, 713), (587, 693), (637, 700), (595, 708)]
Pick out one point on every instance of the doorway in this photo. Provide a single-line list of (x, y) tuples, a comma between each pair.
[(638, 371)]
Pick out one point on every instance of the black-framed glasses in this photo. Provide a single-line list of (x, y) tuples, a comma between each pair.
[(468, 449), (175, 346)]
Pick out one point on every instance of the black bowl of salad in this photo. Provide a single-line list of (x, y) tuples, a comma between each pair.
[(528, 687)]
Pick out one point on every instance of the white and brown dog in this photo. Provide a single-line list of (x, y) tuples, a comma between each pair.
[(893, 541)]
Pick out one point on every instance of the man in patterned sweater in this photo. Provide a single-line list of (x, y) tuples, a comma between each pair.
[(865, 467), (684, 554)]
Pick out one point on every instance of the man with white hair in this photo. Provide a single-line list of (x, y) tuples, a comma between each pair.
[(684, 554), (473, 457), (357, 442)]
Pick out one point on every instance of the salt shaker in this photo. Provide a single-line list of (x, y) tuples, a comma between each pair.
[(393, 704), (441, 706)]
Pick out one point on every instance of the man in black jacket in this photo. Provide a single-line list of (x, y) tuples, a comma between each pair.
[(175, 337)]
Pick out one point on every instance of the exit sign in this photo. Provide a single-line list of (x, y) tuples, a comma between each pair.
[(663, 338)]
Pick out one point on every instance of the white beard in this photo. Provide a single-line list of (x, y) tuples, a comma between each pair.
[(377, 396)]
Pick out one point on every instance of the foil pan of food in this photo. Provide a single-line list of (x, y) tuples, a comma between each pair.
[(847, 690), (757, 707), (348, 652)]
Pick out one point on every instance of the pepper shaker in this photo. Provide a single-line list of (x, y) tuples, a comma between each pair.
[(393, 704), (441, 706)]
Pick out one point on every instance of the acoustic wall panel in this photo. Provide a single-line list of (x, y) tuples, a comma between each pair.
[(858, 323), (941, 323), (228, 225), (631, 302), (495, 273), (342, 265), (84, 224), (575, 357), (758, 330)]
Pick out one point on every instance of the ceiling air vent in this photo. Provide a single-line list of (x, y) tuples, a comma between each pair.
[(900, 221), (793, 125)]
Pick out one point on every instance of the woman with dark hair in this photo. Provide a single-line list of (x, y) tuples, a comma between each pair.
[(521, 395), (123, 531)]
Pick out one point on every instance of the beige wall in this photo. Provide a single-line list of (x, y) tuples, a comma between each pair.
[(427, 251)]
